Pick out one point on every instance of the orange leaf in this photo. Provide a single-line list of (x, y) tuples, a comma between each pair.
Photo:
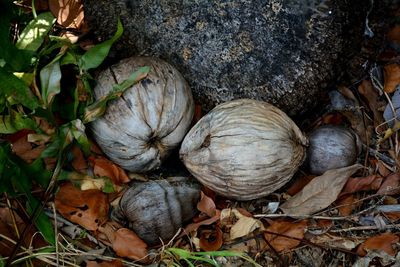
[(105, 167), (392, 77), (127, 244), (87, 208), (383, 242), (197, 113), (206, 205), (391, 185), (78, 162), (286, 228), (113, 263), (345, 204), (392, 216), (69, 13), (211, 240), (194, 226), (372, 182), (299, 184)]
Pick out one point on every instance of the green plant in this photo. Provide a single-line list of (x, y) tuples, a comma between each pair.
[(32, 66)]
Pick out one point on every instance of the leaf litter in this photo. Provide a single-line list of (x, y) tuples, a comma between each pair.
[(335, 213)]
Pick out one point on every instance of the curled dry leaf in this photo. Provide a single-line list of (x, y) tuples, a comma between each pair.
[(393, 35), (124, 242), (243, 226), (105, 167), (385, 242), (194, 226), (69, 13), (392, 77), (293, 231), (320, 192), (87, 208), (211, 240), (206, 205), (372, 182), (391, 185)]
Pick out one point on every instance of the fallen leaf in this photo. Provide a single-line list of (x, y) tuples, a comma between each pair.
[(78, 162), (320, 192), (299, 184), (345, 204), (252, 246), (333, 241), (69, 13), (206, 205), (113, 263), (391, 74), (87, 208), (105, 167), (369, 183), (384, 242), (211, 240), (380, 167), (287, 228), (391, 185), (242, 224), (194, 226), (393, 35), (197, 113), (392, 216), (127, 244), (371, 95)]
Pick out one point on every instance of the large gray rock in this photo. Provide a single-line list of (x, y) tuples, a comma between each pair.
[(281, 51)]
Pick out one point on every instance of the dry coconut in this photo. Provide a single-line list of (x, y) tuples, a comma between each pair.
[(244, 149), (150, 119)]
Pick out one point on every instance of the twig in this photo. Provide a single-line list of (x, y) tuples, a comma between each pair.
[(302, 217), (388, 208), (363, 228), (56, 233), (381, 156)]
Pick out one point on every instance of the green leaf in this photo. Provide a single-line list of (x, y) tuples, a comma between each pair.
[(42, 222), (96, 55), (34, 33), (16, 89), (78, 132), (5, 169), (50, 77), (98, 108), (68, 58), (15, 59), (13, 123)]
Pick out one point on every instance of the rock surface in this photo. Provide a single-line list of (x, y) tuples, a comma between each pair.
[(281, 51)]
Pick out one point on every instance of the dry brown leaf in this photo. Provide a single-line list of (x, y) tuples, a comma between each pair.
[(105, 167), (87, 208), (69, 13), (392, 77), (333, 241), (299, 184), (393, 35), (113, 263), (206, 205), (371, 95), (127, 244), (287, 228), (345, 204), (320, 192), (372, 182), (384, 242), (391, 185), (243, 226), (197, 113), (78, 162), (194, 226), (211, 240), (392, 216)]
